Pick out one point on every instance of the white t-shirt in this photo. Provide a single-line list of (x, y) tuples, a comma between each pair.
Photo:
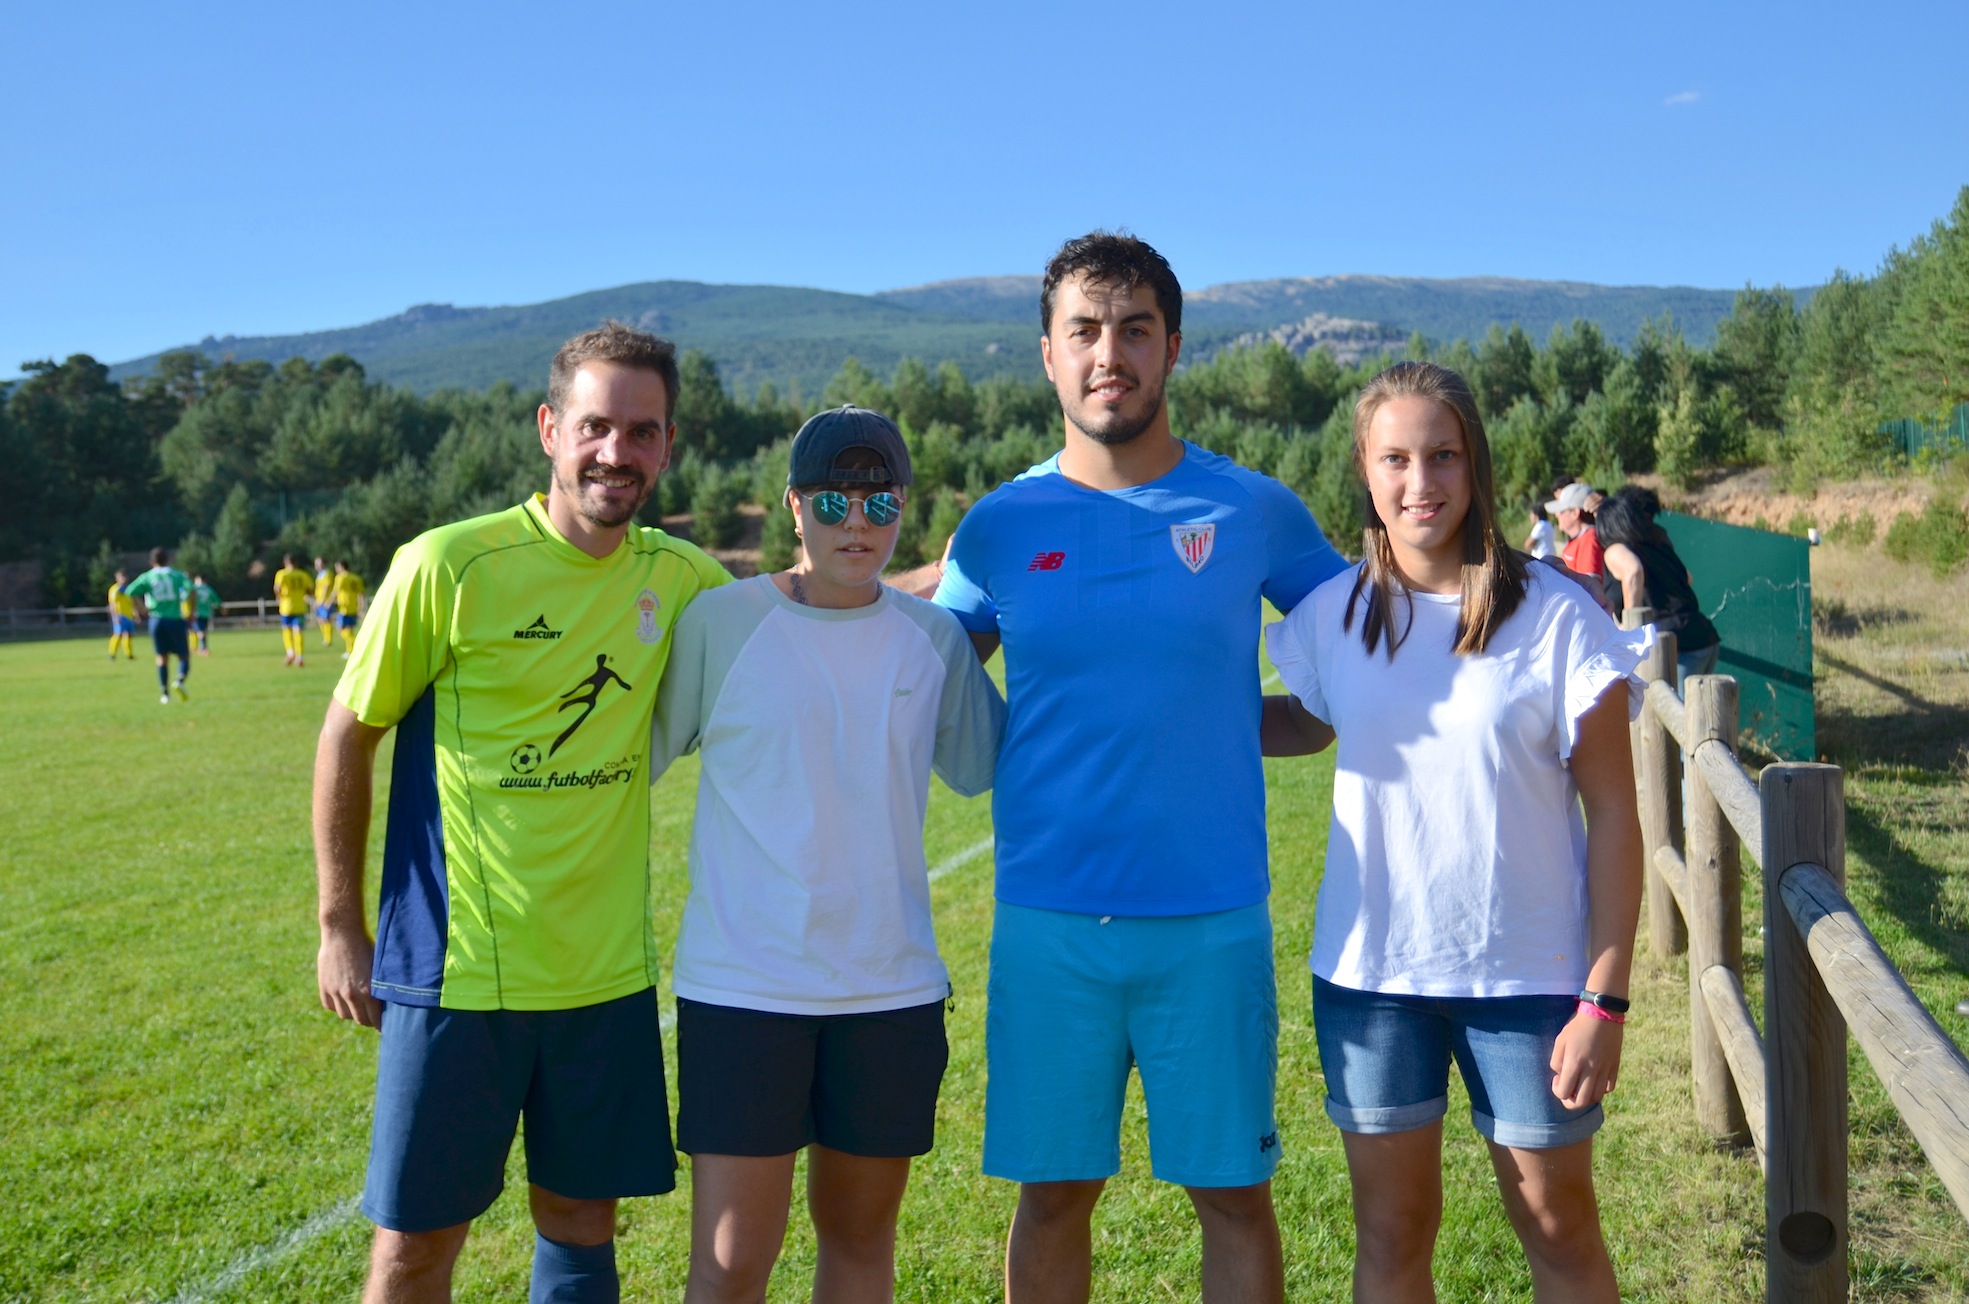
[(818, 729), (1456, 865), (1544, 543)]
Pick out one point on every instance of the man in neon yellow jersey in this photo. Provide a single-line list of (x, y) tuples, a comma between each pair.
[(514, 966)]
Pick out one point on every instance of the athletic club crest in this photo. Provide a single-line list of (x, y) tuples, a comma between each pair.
[(647, 630), (1194, 543)]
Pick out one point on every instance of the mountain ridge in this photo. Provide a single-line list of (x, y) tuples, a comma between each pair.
[(797, 337)]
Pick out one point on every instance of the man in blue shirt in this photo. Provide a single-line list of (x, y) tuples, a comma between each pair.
[(1124, 578)]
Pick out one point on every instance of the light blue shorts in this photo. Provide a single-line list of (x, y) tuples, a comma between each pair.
[(1190, 1001), (1386, 1059)]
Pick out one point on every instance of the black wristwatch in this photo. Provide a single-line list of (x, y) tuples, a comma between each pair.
[(1611, 1004)]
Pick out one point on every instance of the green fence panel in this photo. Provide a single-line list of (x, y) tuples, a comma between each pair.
[(1912, 438), (1757, 588)]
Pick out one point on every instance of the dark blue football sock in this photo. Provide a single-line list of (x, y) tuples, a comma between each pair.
[(574, 1274), (163, 680)]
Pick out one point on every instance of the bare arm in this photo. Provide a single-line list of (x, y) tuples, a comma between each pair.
[(344, 770), (918, 581), (1287, 728), (986, 644), (1586, 1060), (1626, 568)]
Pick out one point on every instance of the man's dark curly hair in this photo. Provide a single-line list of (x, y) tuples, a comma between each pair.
[(1114, 258)]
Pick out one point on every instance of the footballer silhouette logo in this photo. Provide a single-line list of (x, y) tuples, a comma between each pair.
[(526, 758)]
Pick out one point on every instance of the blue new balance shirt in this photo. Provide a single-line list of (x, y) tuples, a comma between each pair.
[(1129, 782)]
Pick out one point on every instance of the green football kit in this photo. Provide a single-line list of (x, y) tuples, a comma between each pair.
[(520, 675), (165, 589)]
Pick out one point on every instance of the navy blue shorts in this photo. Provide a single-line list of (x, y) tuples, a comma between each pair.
[(167, 635), (347, 620), (202, 623), (452, 1085), (122, 625)]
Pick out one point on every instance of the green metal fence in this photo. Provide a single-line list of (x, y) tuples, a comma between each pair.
[(1756, 587), (1913, 437)]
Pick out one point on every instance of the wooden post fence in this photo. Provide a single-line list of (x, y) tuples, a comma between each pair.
[(1659, 770), (1714, 907), (1784, 1090)]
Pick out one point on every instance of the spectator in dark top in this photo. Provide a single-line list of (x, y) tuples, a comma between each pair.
[(1644, 571), (1582, 552)]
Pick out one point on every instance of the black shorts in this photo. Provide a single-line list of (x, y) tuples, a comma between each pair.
[(753, 1083)]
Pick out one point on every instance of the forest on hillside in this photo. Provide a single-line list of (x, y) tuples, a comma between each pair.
[(231, 461)]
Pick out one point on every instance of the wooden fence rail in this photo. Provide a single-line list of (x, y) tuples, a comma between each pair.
[(1781, 1091), (61, 622)]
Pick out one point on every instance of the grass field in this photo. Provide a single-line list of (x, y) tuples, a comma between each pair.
[(183, 1122)]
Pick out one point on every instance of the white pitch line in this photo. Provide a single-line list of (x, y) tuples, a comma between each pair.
[(251, 1262), (1269, 680), (334, 1216), (962, 858)]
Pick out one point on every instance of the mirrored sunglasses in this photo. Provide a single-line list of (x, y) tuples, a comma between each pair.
[(831, 507)]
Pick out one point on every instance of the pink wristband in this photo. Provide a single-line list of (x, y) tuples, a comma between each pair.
[(1599, 1013)]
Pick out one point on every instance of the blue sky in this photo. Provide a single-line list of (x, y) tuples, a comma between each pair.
[(177, 171)]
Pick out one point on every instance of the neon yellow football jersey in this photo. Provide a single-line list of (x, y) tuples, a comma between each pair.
[(520, 675)]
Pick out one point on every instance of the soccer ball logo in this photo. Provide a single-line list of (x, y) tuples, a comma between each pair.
[(526, 758)]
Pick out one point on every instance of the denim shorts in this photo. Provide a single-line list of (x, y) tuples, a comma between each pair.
[(1386, 1059)]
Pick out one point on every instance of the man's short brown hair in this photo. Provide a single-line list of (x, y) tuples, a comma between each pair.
[(612, 342)]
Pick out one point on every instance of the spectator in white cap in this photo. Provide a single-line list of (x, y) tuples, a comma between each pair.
[(1582, 552)]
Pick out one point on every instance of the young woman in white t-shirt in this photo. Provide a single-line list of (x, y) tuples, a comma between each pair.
[(1467, 912)]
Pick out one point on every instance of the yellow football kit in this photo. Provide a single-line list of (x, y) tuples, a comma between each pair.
[(122, 622), (348, 605), (324, 604), (291, 586)]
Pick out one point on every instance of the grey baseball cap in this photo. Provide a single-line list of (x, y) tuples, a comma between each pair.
[(827, 435)]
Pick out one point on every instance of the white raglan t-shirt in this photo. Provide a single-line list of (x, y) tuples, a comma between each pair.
[(1456, 864), (818, 729)]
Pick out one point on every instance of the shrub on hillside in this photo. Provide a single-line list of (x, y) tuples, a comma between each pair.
[(1937, 537), (1854, 531)]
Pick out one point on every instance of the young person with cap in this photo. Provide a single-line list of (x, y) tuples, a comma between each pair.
[(1126, 577), (810, 996), (513, 971)]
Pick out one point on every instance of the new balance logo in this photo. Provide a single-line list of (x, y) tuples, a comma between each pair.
[(1268, 1142), (1047, 561), (538, 629)]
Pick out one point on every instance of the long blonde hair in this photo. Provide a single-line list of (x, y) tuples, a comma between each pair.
[(1493, 572)]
